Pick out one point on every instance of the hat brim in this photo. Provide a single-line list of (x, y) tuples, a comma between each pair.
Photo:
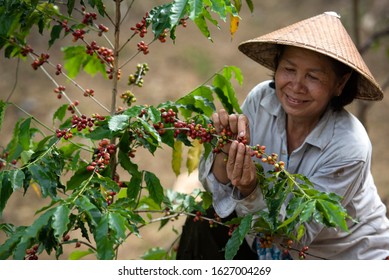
[(264, 50)]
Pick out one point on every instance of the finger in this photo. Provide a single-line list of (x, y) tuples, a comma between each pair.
[(223, 117), (243, 126), (238, 165), (216, 122), (233, 123), (249, 172)]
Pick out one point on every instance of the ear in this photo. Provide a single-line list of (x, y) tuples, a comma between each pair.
[(342, 82)]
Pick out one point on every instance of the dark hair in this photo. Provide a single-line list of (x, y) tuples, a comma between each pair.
[(350, 89)]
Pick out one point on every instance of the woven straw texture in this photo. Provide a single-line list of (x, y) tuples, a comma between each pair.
[(324, 34)]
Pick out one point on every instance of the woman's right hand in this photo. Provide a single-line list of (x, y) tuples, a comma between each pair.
[(234, 164)]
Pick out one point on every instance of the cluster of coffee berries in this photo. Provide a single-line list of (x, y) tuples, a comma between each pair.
[(162, 37), (58, 69), (101, 156), (128, 97), (143, 47), (65, 26), (72, 106), (260, 152), (88, 18), (3, 160), (104, 54), (224, 138), (141, 27), (59, 90), (109, 196), (39, 61), (194, 131), (89, 92), (31, 253), (168, 116), (78, 34), (232, 228), (102, 29), (82, 122), (137, 78), (26, 50), (198, 216), (64, 133), (266, 241), (183, 22), (216, 218), (302, 253)]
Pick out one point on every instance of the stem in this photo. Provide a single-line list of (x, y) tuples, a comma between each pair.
[(116, 51)]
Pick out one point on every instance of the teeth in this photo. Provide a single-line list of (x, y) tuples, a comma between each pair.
[(294, 100)]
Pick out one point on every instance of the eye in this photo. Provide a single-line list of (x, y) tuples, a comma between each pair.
[(289, 69), (312, 77)]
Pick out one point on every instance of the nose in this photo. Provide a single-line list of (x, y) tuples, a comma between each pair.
[(297, 84)]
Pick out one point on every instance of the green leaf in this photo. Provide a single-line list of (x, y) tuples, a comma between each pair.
[(226, 94), (84, 205), (199, 100), (106, 182), (31, 234), (178, 11), (118, 224), (159, 18), (60, 221), (177, 157), (24, 134), (16, 177), (194, 155), (76, 59), (229, 70), (218, 7), (70, 6), (5, 190), (79, 178), (250, 5), (3, 108), (202, 25), (237, 237), (60, 113), (8, 247), (46, 180), (103, 239), (206, 199), (154, 187), (155, 254), (55, 34), (77, 255), (196, 8), (294, 215), (334, 215), (307, 212), (118, 122), (134, 188)]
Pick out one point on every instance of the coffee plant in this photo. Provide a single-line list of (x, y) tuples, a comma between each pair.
[(78, 161)]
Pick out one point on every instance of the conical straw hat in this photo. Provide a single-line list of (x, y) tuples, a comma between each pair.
[(324, 34)]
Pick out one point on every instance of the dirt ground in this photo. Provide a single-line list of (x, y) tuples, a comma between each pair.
[(176, 69)]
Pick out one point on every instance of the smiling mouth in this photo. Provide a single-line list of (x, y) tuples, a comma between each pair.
[(295, 101)]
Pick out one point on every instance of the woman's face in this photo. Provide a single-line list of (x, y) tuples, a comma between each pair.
[(305, 83)]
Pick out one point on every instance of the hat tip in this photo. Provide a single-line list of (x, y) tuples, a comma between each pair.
[(331, 13)]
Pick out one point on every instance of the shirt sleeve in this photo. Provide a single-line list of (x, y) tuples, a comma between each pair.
[(226, 198)]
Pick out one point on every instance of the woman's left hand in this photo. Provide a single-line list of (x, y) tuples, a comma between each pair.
[(241, 169)]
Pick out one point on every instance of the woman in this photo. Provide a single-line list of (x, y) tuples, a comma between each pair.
[(300, 116)]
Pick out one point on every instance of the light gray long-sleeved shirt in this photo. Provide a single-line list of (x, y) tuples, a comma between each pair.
[(336, 157)]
